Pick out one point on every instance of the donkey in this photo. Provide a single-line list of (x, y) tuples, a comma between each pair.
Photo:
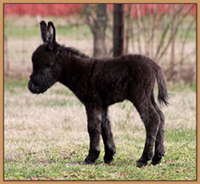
[(99, 83)]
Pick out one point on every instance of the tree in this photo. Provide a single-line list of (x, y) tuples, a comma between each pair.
[(97, 21)]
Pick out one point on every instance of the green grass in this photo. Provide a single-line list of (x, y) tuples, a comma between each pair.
[(59, 163), (79, 32), (189, 87), (15, 30), (12, 85), (46, 137)]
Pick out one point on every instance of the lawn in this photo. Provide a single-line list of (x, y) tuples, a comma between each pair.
[(45, 137), (27, 28)]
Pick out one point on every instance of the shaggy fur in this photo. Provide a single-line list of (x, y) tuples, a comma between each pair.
[(99, 83)]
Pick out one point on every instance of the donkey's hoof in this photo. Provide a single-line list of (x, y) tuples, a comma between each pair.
[(88, 161), (108, 160), (156, 160), (141, 163)]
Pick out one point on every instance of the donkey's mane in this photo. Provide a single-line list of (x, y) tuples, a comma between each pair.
[(74, 52)]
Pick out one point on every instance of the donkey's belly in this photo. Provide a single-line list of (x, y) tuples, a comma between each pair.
[(111, 97)]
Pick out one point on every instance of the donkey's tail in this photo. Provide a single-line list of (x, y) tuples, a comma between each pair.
[(162, 89)]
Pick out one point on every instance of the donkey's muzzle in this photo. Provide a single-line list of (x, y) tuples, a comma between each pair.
[(33, 88)]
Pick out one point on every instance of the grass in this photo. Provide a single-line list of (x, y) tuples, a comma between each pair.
[(45, 137), (18, 31), (69, 31), (22, 30)]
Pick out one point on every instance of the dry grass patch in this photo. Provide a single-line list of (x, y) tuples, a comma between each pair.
[(45, 137)]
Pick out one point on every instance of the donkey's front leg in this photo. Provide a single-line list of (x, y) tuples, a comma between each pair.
[(94, 129)]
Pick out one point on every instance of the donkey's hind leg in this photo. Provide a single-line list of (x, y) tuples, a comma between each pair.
[(94, 129), (159, 146), (151, 121), (107, 136)]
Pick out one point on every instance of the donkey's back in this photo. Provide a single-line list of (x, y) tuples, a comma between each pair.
[(124, 77)]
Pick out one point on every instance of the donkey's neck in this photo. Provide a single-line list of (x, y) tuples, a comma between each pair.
[(76, 73)]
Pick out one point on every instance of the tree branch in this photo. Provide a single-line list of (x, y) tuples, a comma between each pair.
[(165, 32), (89, 17)]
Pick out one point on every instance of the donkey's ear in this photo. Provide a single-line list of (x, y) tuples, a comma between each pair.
[(51, 35), (43, 30)]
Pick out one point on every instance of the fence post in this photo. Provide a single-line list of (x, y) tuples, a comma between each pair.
[(118, 31)]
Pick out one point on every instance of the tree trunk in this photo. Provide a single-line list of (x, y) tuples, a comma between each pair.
[(98, 25), (100, 31), (128, 29)]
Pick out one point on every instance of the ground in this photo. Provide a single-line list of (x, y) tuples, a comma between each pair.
[(45, 137)]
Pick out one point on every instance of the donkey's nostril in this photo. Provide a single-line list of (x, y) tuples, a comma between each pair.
[(30, 85), (33, 87)]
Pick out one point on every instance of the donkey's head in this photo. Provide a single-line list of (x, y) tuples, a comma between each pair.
[(45, 69)]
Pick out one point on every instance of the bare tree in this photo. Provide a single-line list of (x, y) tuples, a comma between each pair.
[(158, 36), (97, 21), (128, 27)]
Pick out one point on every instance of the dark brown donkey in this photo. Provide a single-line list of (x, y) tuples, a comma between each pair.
[(99, 83)]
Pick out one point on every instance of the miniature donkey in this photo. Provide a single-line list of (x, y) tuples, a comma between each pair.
[(99, 83)]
